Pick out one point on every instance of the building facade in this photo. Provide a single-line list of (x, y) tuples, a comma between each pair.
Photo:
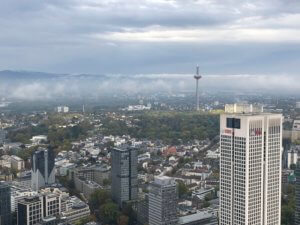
[(163, 201), (124, 175), (250, 168), (30, 210), (5, 207), (43, 168), (297, 210)]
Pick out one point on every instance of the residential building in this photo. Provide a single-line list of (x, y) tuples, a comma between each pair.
[(163, 201), (124, 174), (5, 204), (43, 168), (250, 168), (17, 163)]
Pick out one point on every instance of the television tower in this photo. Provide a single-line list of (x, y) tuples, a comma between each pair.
[(197, 76)]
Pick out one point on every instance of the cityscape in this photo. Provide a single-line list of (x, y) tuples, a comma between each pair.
[(150, 112)]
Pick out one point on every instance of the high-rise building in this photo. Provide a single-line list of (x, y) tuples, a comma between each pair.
[(124, 174), (250, 168), (297, 210), (163, 201), (43, 168), (5, 207)]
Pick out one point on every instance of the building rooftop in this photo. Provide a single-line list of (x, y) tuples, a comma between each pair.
[(195, 217)]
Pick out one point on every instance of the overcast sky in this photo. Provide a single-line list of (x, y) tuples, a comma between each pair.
[(151, 36)]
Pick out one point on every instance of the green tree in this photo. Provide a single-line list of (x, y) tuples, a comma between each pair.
[(109, 212), (181, 189), (99, 198)]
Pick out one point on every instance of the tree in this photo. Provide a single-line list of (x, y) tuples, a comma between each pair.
[(293, 166), (123, 220), (181, 189), (98, 198), (109, 212)]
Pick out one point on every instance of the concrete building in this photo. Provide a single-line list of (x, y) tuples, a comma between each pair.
[(124, 175), (43, 168), (93, 173), (163, 201), (87, 187), (243, 108), (250, 168), (5, 204), (62, 109), (30, 210), (75, 210), (17, 163), (292, 157), (51, 204), (18, 196)]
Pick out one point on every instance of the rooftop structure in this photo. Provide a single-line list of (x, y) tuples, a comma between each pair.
[(243, 108)]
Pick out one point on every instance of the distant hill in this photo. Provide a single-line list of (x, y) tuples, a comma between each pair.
[(27, 75)]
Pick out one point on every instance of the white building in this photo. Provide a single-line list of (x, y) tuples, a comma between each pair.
[(243, 108), (19, 195), (38, 139), (250, 169), (17, 163), (75, 210), (292, 156), (62, 109), (163, 201)]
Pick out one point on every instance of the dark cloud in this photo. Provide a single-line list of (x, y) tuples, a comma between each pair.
[(150, 36)]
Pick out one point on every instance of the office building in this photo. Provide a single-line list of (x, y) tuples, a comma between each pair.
[(163, 201), (43, 168), (30, 210), (297, 210), (124, 175), (75, 210), (250, 168), (5, 204)]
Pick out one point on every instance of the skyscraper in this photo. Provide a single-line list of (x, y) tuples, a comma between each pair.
[(124, 174), (163, 201), (250, 168), (297, 210), (43, 168), (5, 207)]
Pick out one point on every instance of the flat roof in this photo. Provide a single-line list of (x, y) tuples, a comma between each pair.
[(195, 217)]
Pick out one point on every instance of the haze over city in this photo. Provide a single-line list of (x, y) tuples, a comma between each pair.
[(150, 112)]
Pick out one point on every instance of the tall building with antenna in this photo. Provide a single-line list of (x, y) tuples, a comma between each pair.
[(197, 77)]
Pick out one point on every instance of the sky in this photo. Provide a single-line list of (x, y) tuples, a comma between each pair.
[(225, 37)]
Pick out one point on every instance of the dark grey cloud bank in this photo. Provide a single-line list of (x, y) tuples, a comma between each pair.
[(151, 36)]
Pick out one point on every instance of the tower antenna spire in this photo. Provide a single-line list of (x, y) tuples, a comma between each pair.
[(197, 77)]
